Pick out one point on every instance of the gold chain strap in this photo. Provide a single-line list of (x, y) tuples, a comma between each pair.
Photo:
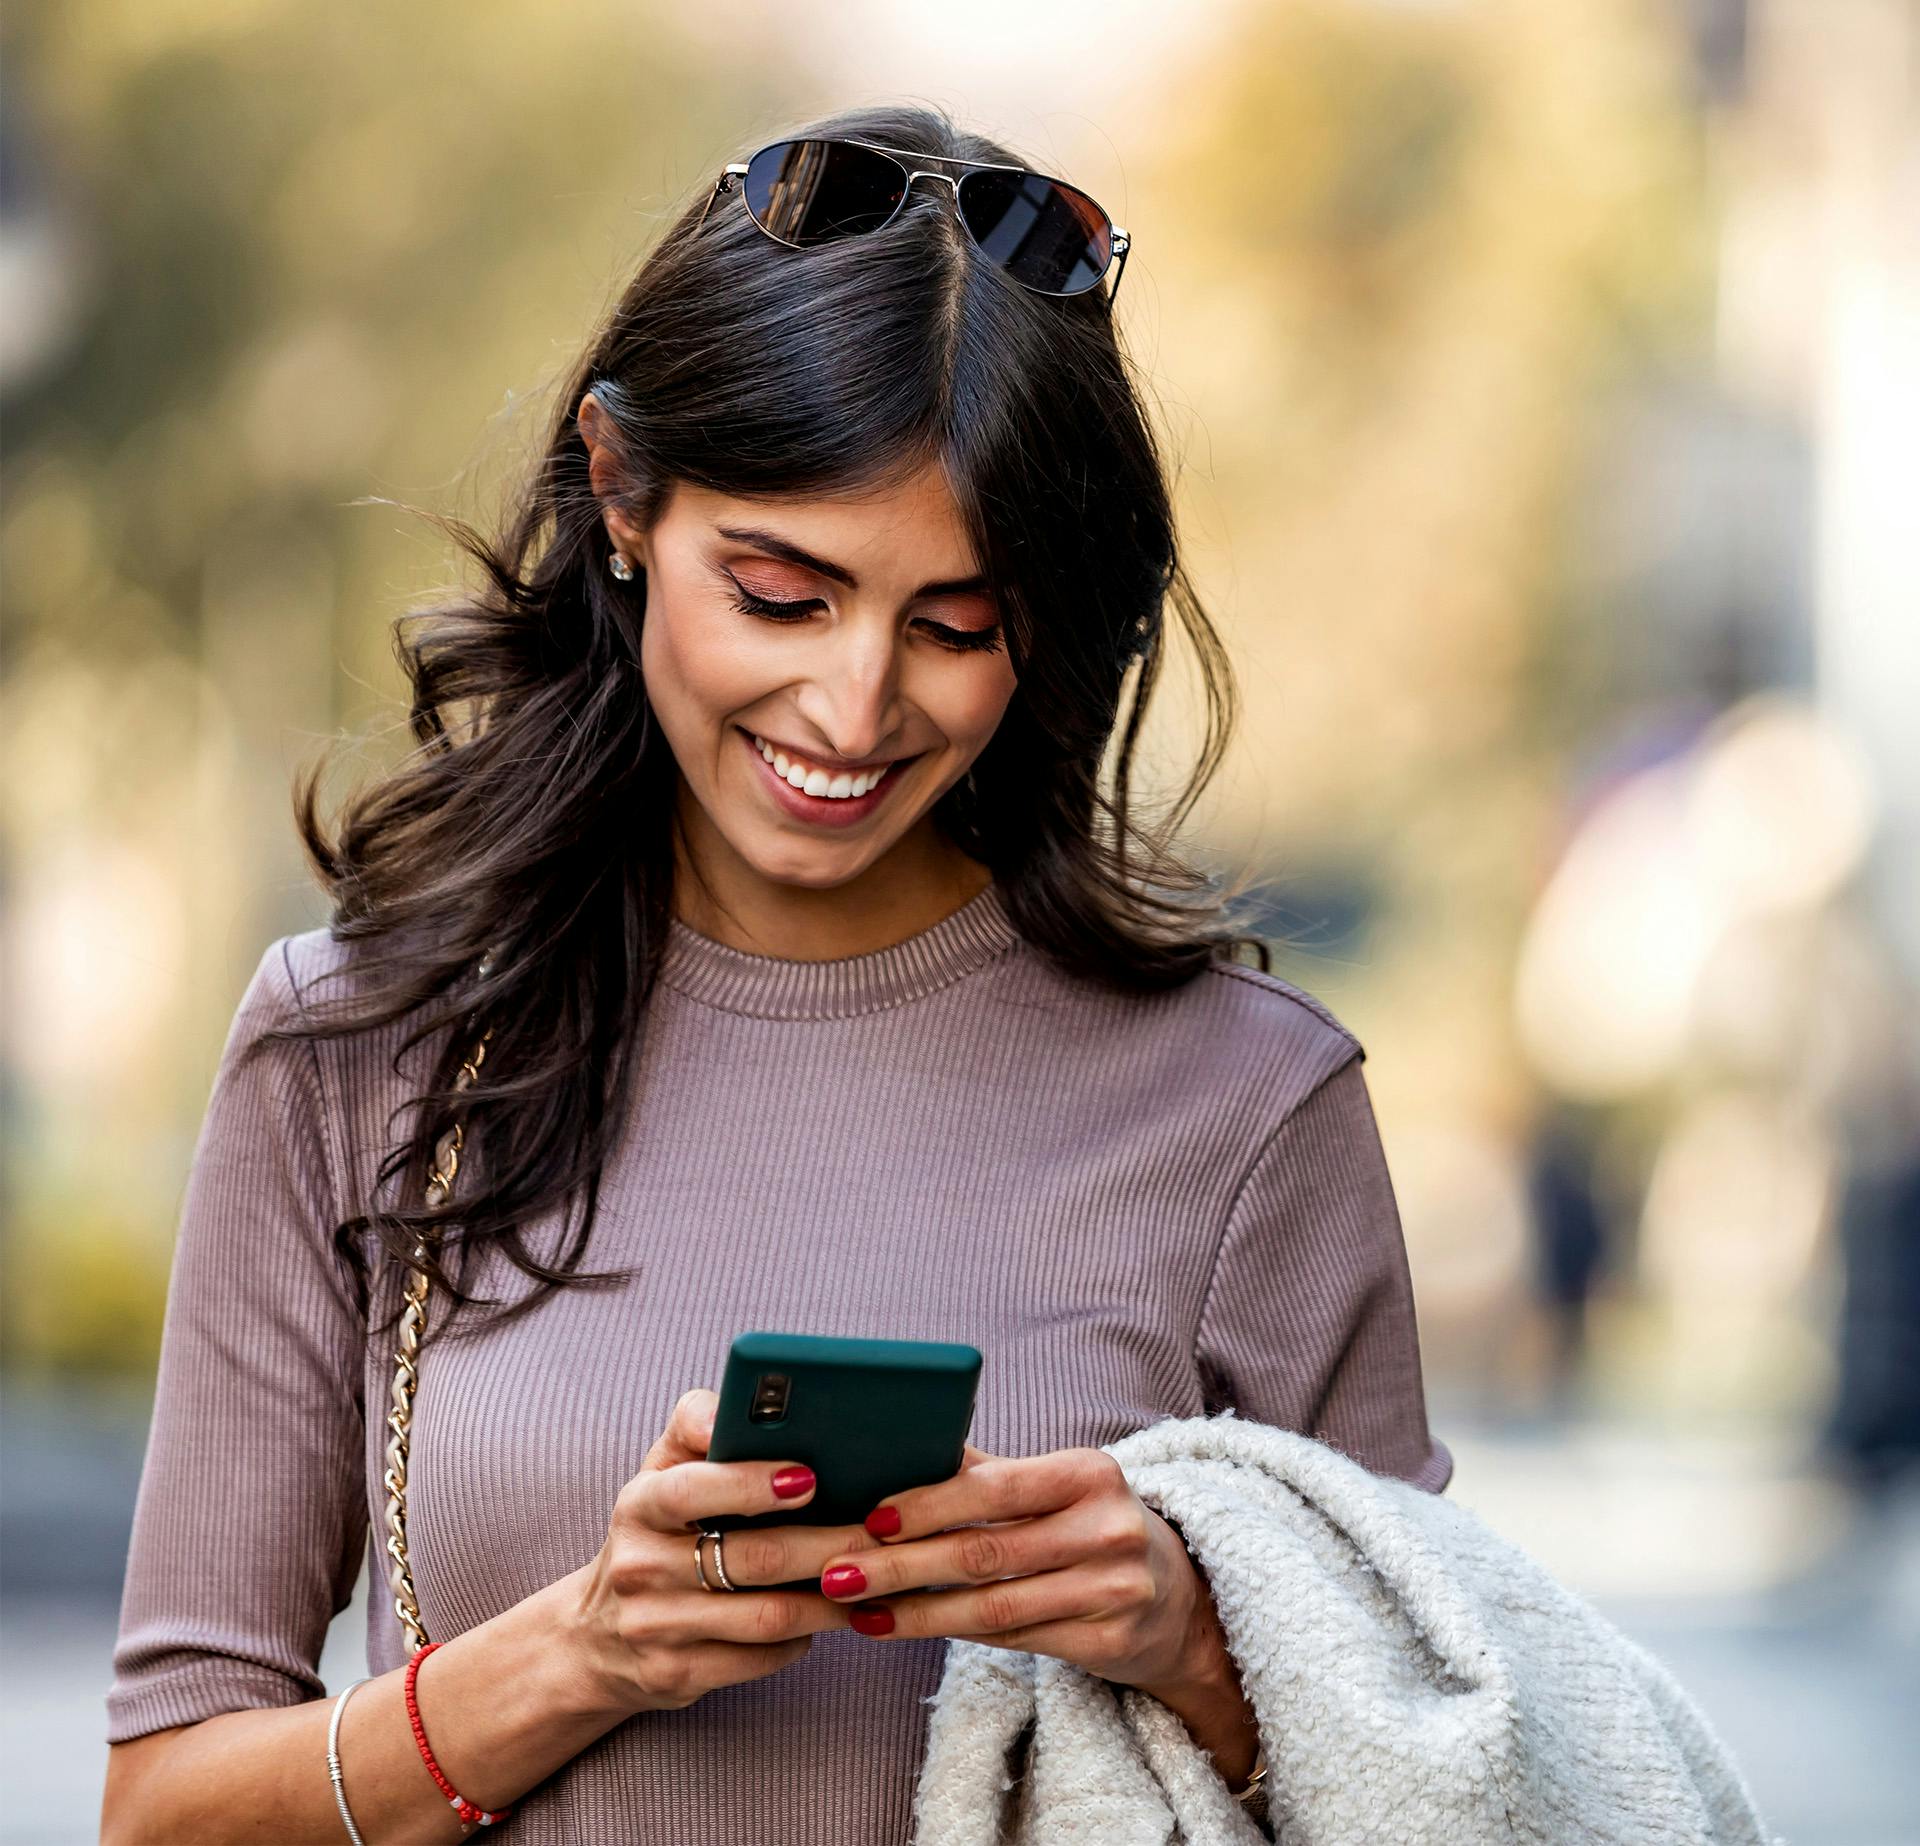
[(406, 1368)]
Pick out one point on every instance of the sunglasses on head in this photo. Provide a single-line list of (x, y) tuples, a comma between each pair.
[(1048, 236)]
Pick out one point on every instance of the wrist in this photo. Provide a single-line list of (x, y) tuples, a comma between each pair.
[(1206, 1695), (587, 1684), (506, 1703), (1204, 1690)]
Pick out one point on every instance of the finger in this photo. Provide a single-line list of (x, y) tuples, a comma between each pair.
[(740, 1617), (725, 1663), (983, 1553), (1063, 1640), (761, 1554), (999, 1487), (689, 1431), (1075, 1597), (683, 1497)]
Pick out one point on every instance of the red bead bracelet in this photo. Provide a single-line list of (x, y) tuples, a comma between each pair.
[(466, 1809)]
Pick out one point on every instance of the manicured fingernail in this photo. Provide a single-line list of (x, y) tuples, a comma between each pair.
[(872, 1621), (884, 1521), (844, 1580), (791, 1483)]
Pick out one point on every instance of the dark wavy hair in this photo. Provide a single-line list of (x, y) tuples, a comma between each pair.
[(535, 817)]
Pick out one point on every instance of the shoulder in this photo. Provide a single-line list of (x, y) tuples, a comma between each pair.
[(1271, 1004), (1268, 1041), (1226, 1011), (1236, 1048), (287, 970), (270, 1024), (311, 964), (1263, 1024)]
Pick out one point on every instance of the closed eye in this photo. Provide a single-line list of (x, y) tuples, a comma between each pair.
[(961, 640), (750, 604)]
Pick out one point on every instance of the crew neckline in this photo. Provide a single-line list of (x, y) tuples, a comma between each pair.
[(776, 987)]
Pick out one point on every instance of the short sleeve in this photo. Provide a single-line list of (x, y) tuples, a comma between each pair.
[(1308, 1321), (250, 1525)]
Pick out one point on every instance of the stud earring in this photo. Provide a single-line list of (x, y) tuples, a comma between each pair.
[(620, 568)]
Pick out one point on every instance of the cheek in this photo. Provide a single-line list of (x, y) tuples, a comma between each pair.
[(695, 676), (970, 709)]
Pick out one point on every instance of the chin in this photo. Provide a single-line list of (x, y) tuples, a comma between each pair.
[(820, 868)]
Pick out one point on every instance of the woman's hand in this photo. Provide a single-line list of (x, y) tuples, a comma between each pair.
[(1055, 1554), (649, 1637)]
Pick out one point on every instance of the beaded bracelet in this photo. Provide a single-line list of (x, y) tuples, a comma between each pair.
[(467, 1810)]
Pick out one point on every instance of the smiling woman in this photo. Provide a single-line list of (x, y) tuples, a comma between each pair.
[(780, 766), (817, 635)]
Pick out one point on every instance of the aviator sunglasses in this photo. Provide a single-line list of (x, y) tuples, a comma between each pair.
[(1048, 236)]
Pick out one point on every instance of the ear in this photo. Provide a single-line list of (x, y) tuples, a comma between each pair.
[(592, 421), (592, 424)]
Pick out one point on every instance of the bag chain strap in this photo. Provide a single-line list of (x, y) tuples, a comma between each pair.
[(406, 1364)]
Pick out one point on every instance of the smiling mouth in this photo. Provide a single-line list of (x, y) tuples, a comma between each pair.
[(829, 788)]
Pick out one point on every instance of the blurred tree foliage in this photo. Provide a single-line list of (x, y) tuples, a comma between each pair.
[(1392, 255), (1404, 254), (316, 253)]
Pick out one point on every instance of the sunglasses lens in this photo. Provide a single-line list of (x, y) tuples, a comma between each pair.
[(1048, 235), (810, 192)]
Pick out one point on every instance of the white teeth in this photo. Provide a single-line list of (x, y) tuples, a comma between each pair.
[(818, 782)]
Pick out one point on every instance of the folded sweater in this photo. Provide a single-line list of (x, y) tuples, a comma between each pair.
[(1418, 1680)]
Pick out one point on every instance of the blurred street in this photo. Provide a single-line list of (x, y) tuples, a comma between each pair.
[(1814, 1679), (1539, 389)]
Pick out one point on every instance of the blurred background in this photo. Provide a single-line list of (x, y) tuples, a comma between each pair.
[(1544, 379)]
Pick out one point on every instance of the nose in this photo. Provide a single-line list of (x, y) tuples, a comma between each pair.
[(854, 699)]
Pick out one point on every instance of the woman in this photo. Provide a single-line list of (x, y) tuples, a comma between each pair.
[(831, 989)]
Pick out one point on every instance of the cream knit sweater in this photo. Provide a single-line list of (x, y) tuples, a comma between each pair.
[(1419, 1681)]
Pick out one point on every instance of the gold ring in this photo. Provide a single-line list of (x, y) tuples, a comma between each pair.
[(719, 1563)]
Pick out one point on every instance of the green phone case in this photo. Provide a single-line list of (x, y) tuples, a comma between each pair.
[(869, 1417)]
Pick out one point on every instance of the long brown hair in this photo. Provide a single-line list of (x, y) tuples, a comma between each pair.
[(736, 364)]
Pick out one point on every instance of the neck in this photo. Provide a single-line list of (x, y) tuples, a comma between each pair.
[(922, 880)]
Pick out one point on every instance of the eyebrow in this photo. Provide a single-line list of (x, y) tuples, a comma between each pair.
[(779, 547)]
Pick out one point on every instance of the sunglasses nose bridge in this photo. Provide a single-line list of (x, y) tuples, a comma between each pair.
[(920, 173)]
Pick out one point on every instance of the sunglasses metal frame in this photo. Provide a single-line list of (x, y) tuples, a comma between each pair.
[(1118, 242)]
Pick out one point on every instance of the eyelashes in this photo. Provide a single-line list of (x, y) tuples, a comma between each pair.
[(961, 640), (747, 603)]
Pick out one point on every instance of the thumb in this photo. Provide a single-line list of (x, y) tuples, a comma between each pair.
[(689, 1430)]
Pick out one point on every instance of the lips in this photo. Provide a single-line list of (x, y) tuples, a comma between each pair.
[(814, 776), (822, 810)]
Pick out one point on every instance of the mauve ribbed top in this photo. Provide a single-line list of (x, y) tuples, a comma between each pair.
[(1136, 1208)]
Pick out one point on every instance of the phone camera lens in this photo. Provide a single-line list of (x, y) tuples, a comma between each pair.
[(770, 1396)]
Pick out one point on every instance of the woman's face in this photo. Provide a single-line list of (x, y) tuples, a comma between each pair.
[(851, 641)]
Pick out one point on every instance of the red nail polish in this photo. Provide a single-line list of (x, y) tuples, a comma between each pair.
[(872, 1621), (884, 1521), (791, 1483), (844, 1580)]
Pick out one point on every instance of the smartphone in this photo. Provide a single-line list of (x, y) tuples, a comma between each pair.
[(869, 1417)]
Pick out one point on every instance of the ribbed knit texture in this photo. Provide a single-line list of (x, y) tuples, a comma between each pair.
[(1136, 1207)]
